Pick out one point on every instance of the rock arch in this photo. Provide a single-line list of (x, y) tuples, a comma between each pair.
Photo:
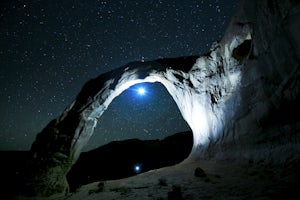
[(200, 86)]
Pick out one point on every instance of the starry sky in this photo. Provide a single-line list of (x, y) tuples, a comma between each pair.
[(49, 49)]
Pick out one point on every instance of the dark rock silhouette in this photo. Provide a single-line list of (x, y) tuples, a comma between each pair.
[(112, 161), (117, 159), (199, 172), (12, 168)]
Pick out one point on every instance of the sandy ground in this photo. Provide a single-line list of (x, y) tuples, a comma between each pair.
[(222, 180)]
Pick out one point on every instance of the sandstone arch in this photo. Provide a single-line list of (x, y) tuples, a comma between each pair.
[(198, 84), (58, 146)]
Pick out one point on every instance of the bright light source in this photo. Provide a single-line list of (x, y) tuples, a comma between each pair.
[(141, 91), (137, 168)]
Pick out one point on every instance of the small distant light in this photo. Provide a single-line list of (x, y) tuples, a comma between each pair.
[(137, 168)]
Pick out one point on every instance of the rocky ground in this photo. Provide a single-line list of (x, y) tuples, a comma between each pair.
[(201, 179), (118, 159)]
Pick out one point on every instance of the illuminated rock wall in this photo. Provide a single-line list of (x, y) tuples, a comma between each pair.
[(262, 116), (231, 97)]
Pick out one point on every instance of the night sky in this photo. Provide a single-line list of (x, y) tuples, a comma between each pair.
[(49, 49)]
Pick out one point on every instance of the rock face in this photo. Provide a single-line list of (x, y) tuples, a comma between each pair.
[(240, 99), (262, 116)]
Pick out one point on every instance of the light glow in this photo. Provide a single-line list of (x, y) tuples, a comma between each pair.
[(141, 91), (137, 168)]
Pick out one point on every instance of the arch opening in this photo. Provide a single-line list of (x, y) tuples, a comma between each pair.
[(144, 131), (152, 115)]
